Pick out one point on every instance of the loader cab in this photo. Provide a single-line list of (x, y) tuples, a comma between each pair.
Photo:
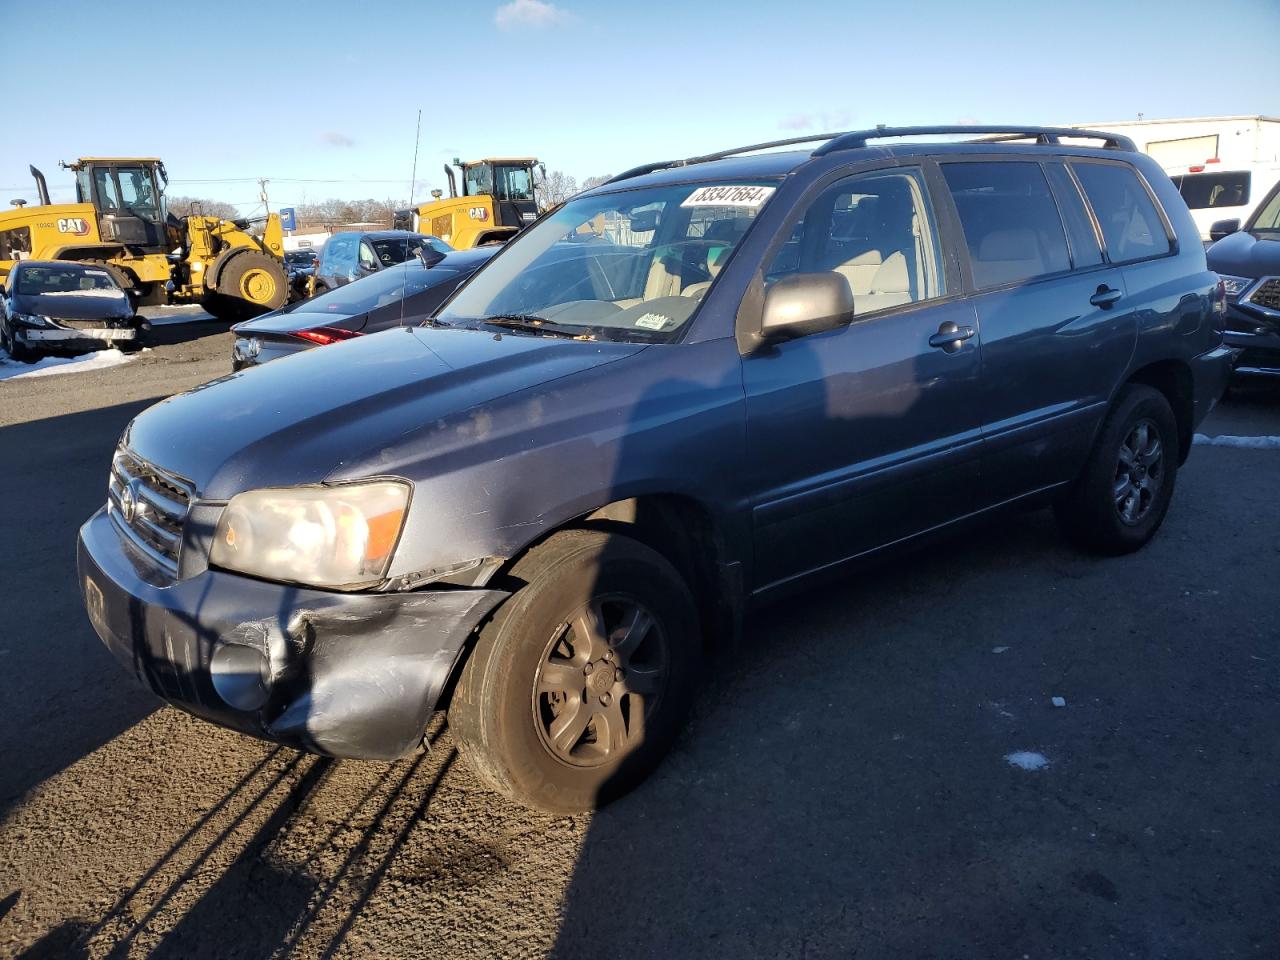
[(128, 195), (509, 181)]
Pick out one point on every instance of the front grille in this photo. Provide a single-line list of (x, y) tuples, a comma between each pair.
[(86, 324), (1267, 295), (149, 505)]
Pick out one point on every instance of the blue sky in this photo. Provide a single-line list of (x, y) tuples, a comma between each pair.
[(316, 90)]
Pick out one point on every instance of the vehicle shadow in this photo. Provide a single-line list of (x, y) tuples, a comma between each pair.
[(171, 334), (62, 696), (255, 876)]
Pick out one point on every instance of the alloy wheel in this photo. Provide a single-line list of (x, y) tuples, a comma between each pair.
[(1139, 472), (602, 675)]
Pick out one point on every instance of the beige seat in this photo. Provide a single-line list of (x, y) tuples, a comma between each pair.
[(1006, 255), (715, 261), (889, 287), (860, 271)]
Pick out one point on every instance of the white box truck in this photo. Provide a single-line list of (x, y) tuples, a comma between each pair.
[(1223, 166)]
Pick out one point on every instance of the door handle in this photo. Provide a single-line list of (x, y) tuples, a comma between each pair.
[(1105, 297), (950, 336)]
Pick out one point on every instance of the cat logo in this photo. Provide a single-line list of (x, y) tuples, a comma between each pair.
[(77, 226), (478, 213)]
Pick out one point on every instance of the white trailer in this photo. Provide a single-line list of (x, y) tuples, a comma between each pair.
[(1223, 166)]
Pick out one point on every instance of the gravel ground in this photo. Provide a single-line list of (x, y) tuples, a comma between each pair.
[(843, 789)]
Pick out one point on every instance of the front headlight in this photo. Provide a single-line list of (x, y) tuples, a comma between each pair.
[(1235, 285), (33, 319), (340, 537)]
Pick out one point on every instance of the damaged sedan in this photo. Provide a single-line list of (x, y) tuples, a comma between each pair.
[(61, 307)]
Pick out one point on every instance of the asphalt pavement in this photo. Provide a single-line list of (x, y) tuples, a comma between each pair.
[(882, 771)]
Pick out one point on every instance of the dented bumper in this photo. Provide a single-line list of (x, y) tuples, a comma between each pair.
[(340, 674)]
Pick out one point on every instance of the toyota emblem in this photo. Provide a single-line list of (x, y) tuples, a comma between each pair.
[(129, 505)]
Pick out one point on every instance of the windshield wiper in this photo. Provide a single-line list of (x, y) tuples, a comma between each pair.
[(539, 326)]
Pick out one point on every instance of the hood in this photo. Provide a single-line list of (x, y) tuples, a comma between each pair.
[(300, 418), (74, 305), (1242, 254)]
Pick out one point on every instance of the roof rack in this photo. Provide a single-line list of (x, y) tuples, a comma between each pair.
[(718, 155), (1047, 135), (857, 140)]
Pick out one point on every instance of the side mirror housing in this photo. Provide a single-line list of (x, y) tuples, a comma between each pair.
[(1223, 228), (805, 303)]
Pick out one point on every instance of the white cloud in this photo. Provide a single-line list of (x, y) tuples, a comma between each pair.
[(335, 139), (826, 121), (519, 14)]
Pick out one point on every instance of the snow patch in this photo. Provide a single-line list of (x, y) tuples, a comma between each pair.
[(93, 294), (1027, 760), (1244, 443), (13, 370), (177, 313)]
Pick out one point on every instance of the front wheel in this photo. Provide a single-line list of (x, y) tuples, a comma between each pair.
[(583, 678), (16, 351), (251, 283), (1123, 494)]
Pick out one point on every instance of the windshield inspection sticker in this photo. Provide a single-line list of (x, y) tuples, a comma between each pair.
[(652, 321), (728, 196)]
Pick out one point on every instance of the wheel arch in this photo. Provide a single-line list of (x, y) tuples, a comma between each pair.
[(678, 526), (1173, 379)]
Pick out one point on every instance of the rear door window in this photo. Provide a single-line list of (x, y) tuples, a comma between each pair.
[(1131, 225), (1081, 234), (1010, 220)]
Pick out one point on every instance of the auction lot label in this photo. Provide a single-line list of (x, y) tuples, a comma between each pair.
[(734, 195)]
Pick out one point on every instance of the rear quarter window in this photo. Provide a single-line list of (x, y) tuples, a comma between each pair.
[(1010, 220), (1131, 226)]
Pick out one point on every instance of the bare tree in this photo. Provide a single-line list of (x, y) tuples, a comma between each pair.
[(555, 187), (590, 182), (183, 206)]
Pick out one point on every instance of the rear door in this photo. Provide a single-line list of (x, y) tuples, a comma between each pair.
[(869, 433), (1057, 328)]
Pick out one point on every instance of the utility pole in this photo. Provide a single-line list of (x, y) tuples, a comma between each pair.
[(262, 184), (417, 137)]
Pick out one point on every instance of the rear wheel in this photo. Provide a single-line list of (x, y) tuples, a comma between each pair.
[(250, 283), (579, 684), (1123, 494)]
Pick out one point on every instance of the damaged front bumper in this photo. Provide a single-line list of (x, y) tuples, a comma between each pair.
[(340, 674)]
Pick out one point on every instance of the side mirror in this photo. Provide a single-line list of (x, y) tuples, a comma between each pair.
[(429, 256), (1223, 228), (805, 303)]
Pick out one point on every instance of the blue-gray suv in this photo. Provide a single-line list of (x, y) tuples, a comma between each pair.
[(686, 391)]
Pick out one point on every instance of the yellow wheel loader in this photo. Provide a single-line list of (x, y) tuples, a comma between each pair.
[(497, 201), (121, 221)]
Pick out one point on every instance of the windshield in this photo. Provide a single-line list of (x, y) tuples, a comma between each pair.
[(1268, 216), (399, 249), (1205, 191), (377, 290), (299, 256), (632, 265), (39, 281)]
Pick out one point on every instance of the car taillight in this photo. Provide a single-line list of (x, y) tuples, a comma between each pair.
[(326, 335)]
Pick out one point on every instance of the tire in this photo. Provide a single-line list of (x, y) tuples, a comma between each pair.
[(1121, 498), (251, 283), (17, 352), (528, 715)]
